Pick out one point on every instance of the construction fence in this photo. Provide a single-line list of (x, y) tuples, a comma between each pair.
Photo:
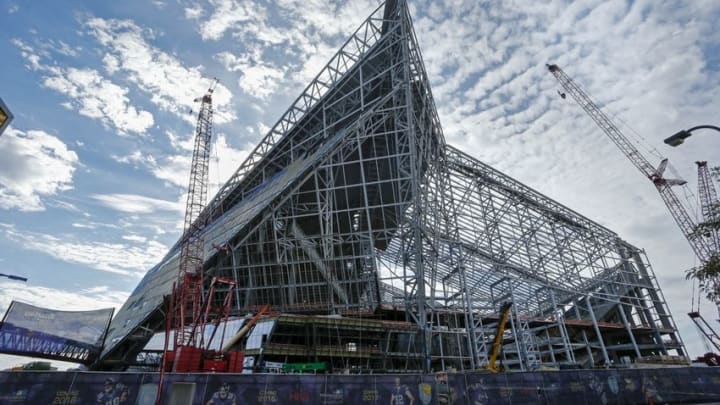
[(622, 386)]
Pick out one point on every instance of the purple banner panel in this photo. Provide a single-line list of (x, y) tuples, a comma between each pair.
[(631, 386), (84, 327)]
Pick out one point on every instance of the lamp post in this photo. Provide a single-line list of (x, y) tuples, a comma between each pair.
[(5, 116), (13, 277), (680, 137)]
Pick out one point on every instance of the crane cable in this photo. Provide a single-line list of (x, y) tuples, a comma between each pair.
[(216, 160), (638, 139)]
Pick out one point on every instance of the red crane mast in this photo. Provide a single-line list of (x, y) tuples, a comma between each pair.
[(188, 295)]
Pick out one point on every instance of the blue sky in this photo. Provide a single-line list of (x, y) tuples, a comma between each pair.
[(94, 168)]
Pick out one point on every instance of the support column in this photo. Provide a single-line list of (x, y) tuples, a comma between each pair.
[(597, 330), (621, 309)]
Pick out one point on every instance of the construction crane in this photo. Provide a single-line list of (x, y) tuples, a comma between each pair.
[(655, 175), (705, 251), (188, 291), (189, 308), (709, 207), (709, 229)]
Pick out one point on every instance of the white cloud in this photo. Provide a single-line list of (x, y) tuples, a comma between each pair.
[(298, 22), (181, 144), (227, 160), (257, 79), (88, 92), (174, 169), (63, 48), (96, 97), (305, 33), (119, 258), (194, 12), (64, 205), (170, 84), (135, 238), (87, 299), (136, 204), (136, 158), (34, 165), (228, 14), (111, 63), (28, 53)]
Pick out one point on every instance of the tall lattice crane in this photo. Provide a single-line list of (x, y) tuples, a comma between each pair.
[(192, 306), (708, 228), (664, 186), (188, 295), (708, 274), (709, 206), (186, 301)]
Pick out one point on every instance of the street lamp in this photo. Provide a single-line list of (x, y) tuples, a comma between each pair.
[(5, 116), (13, 277), (680, 137)]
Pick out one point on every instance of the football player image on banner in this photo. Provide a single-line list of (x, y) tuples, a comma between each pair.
[(445, 392), (650, 390), (478, 393), (223, 396), (400, 394), (113, 393)]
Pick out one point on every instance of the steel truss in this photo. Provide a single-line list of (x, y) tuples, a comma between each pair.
[(354, 205)]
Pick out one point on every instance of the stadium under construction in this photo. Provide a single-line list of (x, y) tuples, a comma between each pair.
[(355, 240), (380, 248)]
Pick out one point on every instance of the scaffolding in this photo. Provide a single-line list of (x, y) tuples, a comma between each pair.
[(354, 207)]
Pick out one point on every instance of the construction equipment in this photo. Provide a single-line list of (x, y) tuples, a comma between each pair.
[(498, 341), (664, 186), (184, 316), (709, 228), (702, 243), (706, 330), (191, 308), (709, 207), (246, 328), (189, 285)]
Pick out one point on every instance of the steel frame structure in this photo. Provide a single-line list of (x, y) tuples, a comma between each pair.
[(353, 205)]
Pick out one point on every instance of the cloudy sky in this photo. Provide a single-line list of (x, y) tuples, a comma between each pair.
[(94, 168)]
